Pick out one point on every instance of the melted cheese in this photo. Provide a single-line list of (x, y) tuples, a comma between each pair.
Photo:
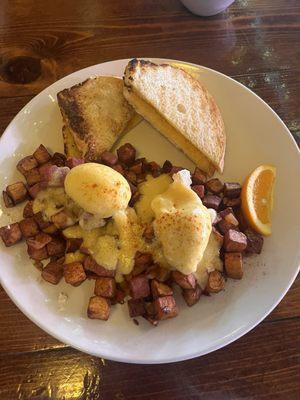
[(210, 261), (148, 190), (89, 237), (130, 239), (182, 225), (50, 201), (106, 252), (72, 257)]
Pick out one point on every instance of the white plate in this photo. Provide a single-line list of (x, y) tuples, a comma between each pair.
[(255, 136)]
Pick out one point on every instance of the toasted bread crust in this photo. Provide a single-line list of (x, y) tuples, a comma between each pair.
[(96, 113), (201, 123), (67, 101)]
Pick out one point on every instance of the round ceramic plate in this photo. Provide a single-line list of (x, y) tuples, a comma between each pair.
[(256, 136)]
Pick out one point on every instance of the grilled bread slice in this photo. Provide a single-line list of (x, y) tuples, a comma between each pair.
[(70, 147), (178, 106), (96, 114)]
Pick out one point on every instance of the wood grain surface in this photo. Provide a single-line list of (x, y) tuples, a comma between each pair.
[(253, 41)]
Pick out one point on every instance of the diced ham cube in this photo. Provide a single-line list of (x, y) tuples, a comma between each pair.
[(56, 247), (73, 245), (105, 287), (11, 234), (62, 219), (126, 154), (198, 177), (131, 177), (29, 227), (33, 176), (98, 308), (225, 212), (42, 155), (199, 189), (232, 190), (235, 241), (39, 241), (214, 186), (53, 272), (224, 226), (184, 281), (40, 220), (212, 201), (136, 307), (215, 283), (26, 164), (74, 273), (227, 202), (37, 254), (154, 169), (54, 176), (192, 296), (59, 159), (159, 273), (234, 265), (165, 307), (118, 168), (160, 289), (141, 262), (230, 218), (109, 158), (7, 200), (254, 241), (17, 192), (74, 162), (35, 189), (139, 287), (167, 167), (28, 210), (139, 166), (91, 265)]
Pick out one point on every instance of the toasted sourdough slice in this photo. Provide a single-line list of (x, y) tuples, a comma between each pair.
[(70, 147), (96, 114), (178, 106)]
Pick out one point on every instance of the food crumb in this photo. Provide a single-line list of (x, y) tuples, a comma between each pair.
[(62, 299)]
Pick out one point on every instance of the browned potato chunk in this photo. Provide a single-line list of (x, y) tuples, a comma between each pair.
[(53, 272), (165, 307), (184, 281), (215, 283), (11, 234), (98, 308), (234, 265), (192, 296), (105, 287), (74, 273), (160, 289)]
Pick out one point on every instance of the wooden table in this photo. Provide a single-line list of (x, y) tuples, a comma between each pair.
[(256, 42)]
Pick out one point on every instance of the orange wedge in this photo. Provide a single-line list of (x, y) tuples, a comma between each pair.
[(257, 198)]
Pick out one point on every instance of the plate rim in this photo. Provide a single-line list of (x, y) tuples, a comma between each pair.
[(187, 356)]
